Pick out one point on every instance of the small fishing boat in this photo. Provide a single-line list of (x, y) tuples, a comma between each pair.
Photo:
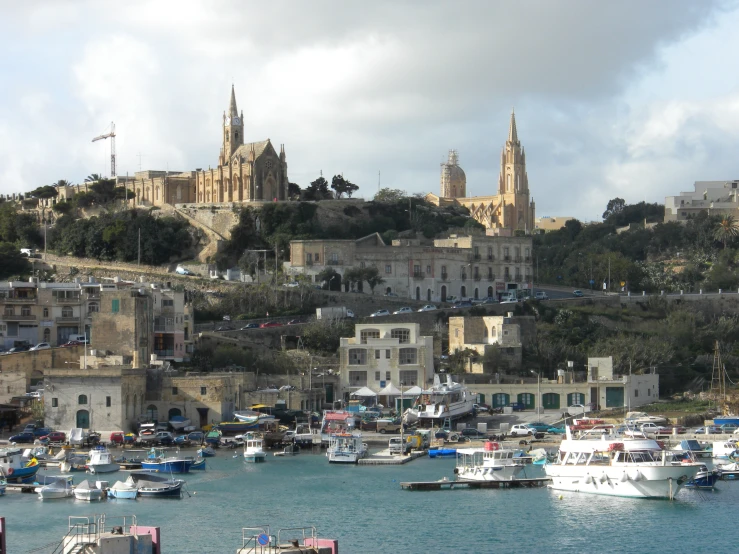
[(15, 469), (87, 492), (157, 460), (442, 452), (101, 461), (254, 448), (694, 447), (289, 450), (213, 437), (234, 427), (346, 448), (198, 464), (54, 487), (179, 423), (123, 491), (206, 452), (704, 479), (153, 485)]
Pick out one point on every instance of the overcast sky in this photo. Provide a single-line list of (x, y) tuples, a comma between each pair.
[(631, 98)]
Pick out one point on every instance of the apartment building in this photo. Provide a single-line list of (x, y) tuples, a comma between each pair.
[(712, 197), (486, 335)]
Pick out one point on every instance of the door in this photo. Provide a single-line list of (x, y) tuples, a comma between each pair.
[(443, 293), (490, 292), (501, 400), (174, 412), (528, 400), (594, 397), (614, 397), (550, 401), (418, 293), (83, 419), (428, 295), (203, 413)]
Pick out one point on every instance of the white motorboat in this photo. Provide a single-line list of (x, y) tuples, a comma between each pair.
[(491, 463), (123, 491), (54, 487), (726, 450), (442, 401), (85, 491), (336, 421), (637, 468), (289, 450), (254, 448), (101, 461), (346, 448), (78, 436), (640, 418)]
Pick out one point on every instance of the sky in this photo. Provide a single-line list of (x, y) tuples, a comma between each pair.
[(627, 99)]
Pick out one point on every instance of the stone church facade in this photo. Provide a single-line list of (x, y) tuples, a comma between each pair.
[(246, 172), (503, 213)]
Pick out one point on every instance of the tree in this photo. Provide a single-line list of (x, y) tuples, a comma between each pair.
[(727, 229), (390, 195), (61, 183), (615, 206), (329, 279), (63, 207), (318, 190), (14, 263), (48, 191), (93, 178), (354, 276), (372, 276), (343, 186), (293, 191)]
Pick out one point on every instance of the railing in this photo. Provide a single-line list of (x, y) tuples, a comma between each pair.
[(164, 328), (10, 300), (85, 531), (491, 276), (253, 537), (491, 257), (164, 352), (527, 259), (444, 276), (506, 258), (507, 277), (71, 319), (463, 277), (13, 317), (517, 259), (477, 277), (473, 257), (301, 531), (63, 301), (335, 262), (518, 278), (419, 275)]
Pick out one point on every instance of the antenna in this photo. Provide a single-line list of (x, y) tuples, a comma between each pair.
[(379, 180)]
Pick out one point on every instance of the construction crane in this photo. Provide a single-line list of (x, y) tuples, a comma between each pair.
[(111, 136)]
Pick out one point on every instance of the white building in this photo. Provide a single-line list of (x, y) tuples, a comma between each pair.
[(714, 197)]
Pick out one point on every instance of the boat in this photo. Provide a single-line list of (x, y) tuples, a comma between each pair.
[(123, 491), (640, 418), (14, 469), (728, 472), (442, 452), (213, 437), (694, 447), (78, 436), (101, 461), (206, 452), (157, 460), (3, 485), (336, 421), (254, 448), (490, 463), (637, 468), (153, 485), (725, 450), (704, 479), (442, 401), (346, 448), (251, 416), (198, 464), (54, 487), (84, 491), (289, 450), (178, 423)]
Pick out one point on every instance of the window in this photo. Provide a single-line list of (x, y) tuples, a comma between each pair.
[(54, 402), (377, 354), (46, 312), (403, 335), (456, 333), (334, 258), (93, 307), (408, 378), (490, 252), (636, 393), (493, 332), (368, 334), (309, 259), (26, 310), (315, 257), (9, 310), (408, 356), (387, 375), (47, 334), (357, 356), (428, 269), (167, 302), (377, 375), (115, 305), (387, 354), (203, 391), (388, 268), (649, 392), (67, 311), (357, 378), (107, 402), (82, 399), (174, 391)]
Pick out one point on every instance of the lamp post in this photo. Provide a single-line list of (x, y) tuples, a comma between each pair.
[(538, 392), (402, 443)]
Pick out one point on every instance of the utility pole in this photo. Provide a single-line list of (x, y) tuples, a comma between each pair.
[(139, 246)]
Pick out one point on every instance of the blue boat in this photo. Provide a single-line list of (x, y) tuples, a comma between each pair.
[(704, 479), (15, 468), (198, 464), (152, 485), (158, 461), (442, 452)]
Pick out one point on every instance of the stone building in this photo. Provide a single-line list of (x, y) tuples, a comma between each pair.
[(383, 353), (486, 335), (509, 209), (19, 370), (458, 266), (547, 224), (712, 197)]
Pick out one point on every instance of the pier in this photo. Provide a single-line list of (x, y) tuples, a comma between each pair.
[(384, 458), (450, 485)]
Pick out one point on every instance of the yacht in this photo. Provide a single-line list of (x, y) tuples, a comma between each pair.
[(101, 461), (346, 448), (254, 448), (637, 468), (440, 402), (491, 463)]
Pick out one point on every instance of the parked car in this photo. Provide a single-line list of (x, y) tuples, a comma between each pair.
[(472, 433), (403, 310), (481, 408), (556, 430), (428, 308), (541, 295), (728, 428), (116, 437), (388, 426), (183, 271), (521, 430), (72, 343), (291, 284), (40, 346), (710, 429), (517, 406), (652, 428), (462, 304), (396, 446), (224, 328), (24, 437), (268, 324), (20, 348), (35, 394), (539, 426), (577, 293), (379, 313), (41, 431), (250, 326), (489, 300), (391, 294), (196, 437), (164, 438), (55, 436)]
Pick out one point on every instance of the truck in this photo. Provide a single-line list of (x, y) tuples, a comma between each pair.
[(334, 312)]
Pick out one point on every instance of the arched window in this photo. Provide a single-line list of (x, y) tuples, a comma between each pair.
[(82, 400), (174, 412), (67, 311), (152, 412), (46, 312)]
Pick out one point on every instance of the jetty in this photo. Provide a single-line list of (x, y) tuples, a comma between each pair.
[(446, 484), (384, 458)]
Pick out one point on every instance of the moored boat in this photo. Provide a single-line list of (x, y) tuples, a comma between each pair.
[(101, 461), (254, 448), (206, 452), (123, 491), (178, 423), (157, 460), (725, 450), (289, 450), (442, 452), (153, 485), (198, 464), (346, 448), (490, 463), (442, 401), (55, 487), (694, 447), (704, 479), (728, 472), (85, 491), (15, 469)]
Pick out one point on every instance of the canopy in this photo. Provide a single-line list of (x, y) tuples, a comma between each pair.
[(364, 391), (389, 390), (413, 390)]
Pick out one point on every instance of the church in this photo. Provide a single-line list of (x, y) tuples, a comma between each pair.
[(504, 213), (245, 173)]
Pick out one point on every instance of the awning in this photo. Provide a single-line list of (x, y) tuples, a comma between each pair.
[(413, 391), (389, 390), (364, 391)]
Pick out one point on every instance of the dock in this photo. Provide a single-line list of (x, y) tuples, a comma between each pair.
[(384, 458), (451, 485)]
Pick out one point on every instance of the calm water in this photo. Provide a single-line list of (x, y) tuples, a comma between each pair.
[(367, 511)]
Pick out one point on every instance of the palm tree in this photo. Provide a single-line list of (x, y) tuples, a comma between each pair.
[(93, 178), (727, 229), (61, 183)]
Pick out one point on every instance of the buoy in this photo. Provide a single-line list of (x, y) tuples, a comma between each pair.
[(11, 471), (561, 497)]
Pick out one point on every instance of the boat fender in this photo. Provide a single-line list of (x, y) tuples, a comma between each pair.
[(456, 470), (10, 471), (588, 479), (603, 478), (624, 477)]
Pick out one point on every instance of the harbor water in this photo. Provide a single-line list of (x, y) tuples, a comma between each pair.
[(365, 508)]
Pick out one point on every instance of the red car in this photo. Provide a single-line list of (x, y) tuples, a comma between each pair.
[(56, 436), (116, 438), (270, 324)]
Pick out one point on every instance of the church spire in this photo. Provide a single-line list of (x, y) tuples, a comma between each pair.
[(512, 134), (232, 111)]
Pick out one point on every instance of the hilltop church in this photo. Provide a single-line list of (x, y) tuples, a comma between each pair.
[(245, 173), (504, 213)]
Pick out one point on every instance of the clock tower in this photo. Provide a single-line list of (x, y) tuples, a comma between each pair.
[(233, 129)]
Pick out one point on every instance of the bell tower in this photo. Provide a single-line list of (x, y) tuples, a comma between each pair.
[(513, 178), (233, 129)]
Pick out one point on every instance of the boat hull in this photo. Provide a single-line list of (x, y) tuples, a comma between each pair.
[(501, 473), (255, 457), (198, 465), (90, 495), (342, 457), (443, 453), (168, 466), (53, 494), (23, 475), (168, 491), (123, 495), (103, 468)]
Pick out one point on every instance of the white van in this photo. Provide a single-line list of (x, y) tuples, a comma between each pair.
[(79, 338), (508, 297)]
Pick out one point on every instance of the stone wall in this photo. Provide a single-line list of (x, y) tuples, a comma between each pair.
[(220, 218)]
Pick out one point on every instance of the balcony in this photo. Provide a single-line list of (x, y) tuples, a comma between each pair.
[(166, 310), (477, 277), (419, 275), (66, 301), (473, 257), (506, 258), (491, 276), (444, 276), (518, 259), (507, 277), (18, 300), (63, 320), (518, 279), (491, 257), (335, 262), (164, 328), (13, 317), (164, 353), (527, 259), (464, 277)]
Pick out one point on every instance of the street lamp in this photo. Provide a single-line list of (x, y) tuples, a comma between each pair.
[(538, 392), (402, 444)]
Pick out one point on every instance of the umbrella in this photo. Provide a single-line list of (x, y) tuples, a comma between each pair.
[(389, 390), (364, 391)]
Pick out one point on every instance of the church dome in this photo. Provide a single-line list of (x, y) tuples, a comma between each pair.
[(453, 179)]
